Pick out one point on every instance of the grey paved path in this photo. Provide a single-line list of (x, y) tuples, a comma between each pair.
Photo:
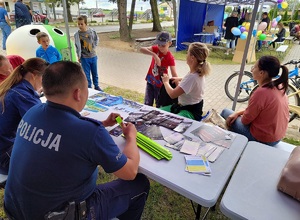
[(128, 70)]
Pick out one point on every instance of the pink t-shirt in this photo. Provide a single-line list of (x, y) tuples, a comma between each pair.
[(268, 114)]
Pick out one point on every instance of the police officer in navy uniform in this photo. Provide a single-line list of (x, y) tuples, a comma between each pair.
[(56, 154)]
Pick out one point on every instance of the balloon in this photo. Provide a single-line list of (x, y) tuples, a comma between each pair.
[(239, 27), (247, 26), (235, 31), (243, 36), (259, 33), (242, 29), (254, 32), (278, 18), (262, 26), (284, 5), (279, 6), (244, 24), (279, 1), (262, 37), (274, 24)]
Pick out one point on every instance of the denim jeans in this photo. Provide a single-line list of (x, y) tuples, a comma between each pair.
[(151, 94), (238, 127), (6, 30), (232, 44), (89, 65)]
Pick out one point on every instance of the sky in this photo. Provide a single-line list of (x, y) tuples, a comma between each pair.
[(104, 4)]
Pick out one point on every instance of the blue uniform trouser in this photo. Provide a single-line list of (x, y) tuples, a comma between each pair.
[(6, 30), (123, 199), (89, 65), (242, 129)]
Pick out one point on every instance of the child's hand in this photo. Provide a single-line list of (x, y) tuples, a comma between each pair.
[(165, 78), (157, 60)]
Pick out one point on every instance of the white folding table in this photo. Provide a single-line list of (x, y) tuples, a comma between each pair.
[(204, 190), (252, 191)]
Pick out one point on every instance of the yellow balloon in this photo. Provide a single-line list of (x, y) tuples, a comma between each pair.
[(259, 33), (284, 5), (244, 24), (247, 26)]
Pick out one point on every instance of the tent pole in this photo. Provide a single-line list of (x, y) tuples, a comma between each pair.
[(254, 12), (67, 28)]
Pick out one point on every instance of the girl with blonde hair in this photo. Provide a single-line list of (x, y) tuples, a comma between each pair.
[(190, 88), (18, 93)]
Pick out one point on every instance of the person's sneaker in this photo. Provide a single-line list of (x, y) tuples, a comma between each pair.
[(232, 52), (98, 88), (226, 53)]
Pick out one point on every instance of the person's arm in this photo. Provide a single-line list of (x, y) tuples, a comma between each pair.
[(58, 55), (173, 93), (231, 118), (7, 19), (149, 51), (173, 71), (130, 169)]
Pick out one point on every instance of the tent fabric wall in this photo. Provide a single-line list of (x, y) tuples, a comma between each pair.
[(192, 16)]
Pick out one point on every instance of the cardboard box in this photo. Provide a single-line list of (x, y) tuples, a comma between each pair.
[(240, 48)]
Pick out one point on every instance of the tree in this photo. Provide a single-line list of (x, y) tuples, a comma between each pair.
[(131, 16), (285, 16), (68, 3), (122, 16), (155, 16)]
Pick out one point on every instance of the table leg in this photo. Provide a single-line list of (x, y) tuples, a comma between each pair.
[(198, 212)]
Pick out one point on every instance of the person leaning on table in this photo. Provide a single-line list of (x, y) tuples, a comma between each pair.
[(190, 88), (57, 152), (18, 93), (266, 118)]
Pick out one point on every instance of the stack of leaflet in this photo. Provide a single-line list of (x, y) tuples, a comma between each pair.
[(151, 147), (197, 164)]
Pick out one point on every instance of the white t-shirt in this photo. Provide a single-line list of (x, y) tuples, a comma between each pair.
[(193, 87)]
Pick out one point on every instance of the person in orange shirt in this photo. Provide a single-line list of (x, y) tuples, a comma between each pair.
[(266, 118)]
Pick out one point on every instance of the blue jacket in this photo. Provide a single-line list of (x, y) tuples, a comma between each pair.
[(17, 101), (51, 54), (22, 15)]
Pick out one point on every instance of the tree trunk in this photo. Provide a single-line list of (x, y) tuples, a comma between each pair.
[(122, 16), (175, 15), (155, 16), (131, 16), (69, 12)]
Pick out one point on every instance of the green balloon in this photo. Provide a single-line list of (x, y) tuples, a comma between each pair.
[(262, 36)]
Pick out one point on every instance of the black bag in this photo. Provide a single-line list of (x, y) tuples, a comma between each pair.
[(164, 99)]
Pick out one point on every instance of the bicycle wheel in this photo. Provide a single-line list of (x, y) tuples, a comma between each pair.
[(245, 87), (293, 99)]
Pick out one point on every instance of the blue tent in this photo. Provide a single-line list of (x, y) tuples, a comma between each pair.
[(193, 15)]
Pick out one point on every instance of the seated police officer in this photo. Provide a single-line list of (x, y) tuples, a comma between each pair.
[(56, 154)]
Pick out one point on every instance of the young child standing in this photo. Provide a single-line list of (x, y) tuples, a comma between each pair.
[(162, 58), (46, 51), (86, 41)]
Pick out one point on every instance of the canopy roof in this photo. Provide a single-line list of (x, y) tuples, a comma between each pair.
[(236, 2)]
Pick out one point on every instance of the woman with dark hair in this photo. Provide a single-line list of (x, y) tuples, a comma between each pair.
[(18, 93), (266, 118), (190, 89)]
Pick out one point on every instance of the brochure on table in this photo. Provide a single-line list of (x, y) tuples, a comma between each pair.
[(206, 142)]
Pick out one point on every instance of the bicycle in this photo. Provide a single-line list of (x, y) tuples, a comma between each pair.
[(247, 85)]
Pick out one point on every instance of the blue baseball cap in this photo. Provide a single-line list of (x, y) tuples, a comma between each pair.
[(162, 38)]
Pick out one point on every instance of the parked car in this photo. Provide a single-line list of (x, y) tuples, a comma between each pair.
[(36, 17), (98, 15)]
